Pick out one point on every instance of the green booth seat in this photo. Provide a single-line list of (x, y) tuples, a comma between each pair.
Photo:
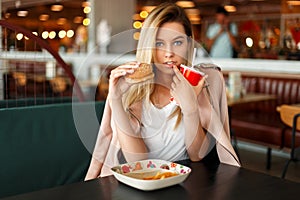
[(46, 146), (11, 103)]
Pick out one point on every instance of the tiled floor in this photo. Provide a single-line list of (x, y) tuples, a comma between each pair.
[(254, 157)]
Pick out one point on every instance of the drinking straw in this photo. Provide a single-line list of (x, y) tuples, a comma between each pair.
[(194, 56)]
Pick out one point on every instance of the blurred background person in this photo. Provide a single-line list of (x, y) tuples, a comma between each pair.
[(221, 36)]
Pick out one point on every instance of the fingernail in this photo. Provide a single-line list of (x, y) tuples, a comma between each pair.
[(137, 65)]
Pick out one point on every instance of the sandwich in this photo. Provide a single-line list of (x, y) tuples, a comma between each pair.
[(142, 73)]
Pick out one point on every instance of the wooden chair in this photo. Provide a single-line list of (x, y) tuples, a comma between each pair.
[(290, 116)]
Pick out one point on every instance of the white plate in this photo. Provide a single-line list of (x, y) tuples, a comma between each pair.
[(133, 174)]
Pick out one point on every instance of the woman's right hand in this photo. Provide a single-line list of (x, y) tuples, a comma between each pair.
[(117, 84)]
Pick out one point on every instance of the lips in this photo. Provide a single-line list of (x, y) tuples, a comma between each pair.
[(170, 63)]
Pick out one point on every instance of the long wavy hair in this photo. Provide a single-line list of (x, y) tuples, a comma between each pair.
[(166, 12)]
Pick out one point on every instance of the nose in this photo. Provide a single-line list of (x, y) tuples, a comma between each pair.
[(169, 52)]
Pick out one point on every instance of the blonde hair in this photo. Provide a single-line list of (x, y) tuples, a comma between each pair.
[(166, 12)]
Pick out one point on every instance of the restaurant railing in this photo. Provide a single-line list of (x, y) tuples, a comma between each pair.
[(39, 74)]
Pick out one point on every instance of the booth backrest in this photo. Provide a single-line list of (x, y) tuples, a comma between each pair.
[(285, 88), (12, 103), (259, 122), (41, 147)]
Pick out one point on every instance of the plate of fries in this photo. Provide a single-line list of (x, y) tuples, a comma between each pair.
[(151, 174)]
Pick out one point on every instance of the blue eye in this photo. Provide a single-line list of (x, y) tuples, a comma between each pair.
[(178, 43), (159, 44)]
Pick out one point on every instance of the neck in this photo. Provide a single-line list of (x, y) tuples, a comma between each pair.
[(160, 96), (164, 80)]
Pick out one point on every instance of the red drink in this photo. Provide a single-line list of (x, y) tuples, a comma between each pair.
[(191, 74)]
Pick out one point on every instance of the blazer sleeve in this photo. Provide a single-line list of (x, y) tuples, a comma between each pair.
[(214, 115)]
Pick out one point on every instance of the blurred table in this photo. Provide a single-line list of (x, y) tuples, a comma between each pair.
[(250, 98), (246, 98), (206, 181)]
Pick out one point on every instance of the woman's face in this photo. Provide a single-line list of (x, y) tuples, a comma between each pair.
[(171, 47)]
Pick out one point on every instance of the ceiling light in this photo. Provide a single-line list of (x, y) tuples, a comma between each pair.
[(86, 22), (70, 33), (78, 19), (136, 35), (7, 15), (230, 8), (192, 11), (52, 35), (195, 19), (249, 42), (293, 3), (62, 34), (22, 13), (61, 21), (186, 4), (45, 34), (19, 36), (85, 4), (56, 8), (87, 10), (144, 14), (137, 24), (44, 17)]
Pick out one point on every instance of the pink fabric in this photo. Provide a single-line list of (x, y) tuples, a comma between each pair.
[(213, 114)]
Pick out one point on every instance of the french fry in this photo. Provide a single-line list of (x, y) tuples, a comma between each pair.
[(160, 175)]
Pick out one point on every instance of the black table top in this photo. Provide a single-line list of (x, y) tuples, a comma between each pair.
[(205, 182)]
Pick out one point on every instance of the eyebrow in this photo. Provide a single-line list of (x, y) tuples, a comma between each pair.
[(176, 38)]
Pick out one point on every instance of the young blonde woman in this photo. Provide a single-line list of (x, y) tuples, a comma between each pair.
[(140, 122)]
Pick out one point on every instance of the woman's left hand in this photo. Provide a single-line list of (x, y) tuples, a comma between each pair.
[(184, 93)]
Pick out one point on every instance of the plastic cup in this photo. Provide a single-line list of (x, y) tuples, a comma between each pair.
[(191, 74)]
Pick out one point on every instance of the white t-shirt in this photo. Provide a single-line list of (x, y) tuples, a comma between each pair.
[(163, 141)]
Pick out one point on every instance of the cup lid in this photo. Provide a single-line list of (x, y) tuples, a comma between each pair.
[(193, 69)]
